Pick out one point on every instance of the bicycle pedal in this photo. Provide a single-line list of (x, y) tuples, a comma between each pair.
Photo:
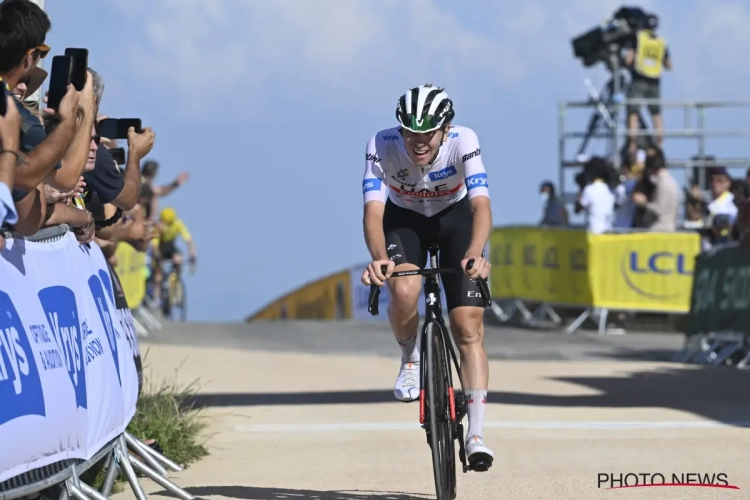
[(480, 462)]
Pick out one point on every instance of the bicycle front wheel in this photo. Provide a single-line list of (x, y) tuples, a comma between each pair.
[(438, 403)]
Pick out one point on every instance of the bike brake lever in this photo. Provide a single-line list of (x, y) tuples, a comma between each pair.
[(372, 301), (484, 288)]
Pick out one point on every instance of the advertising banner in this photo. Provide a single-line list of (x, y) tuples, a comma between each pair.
[(131, 267), (68, 381), (631, 271), (326, 298), (721, 292)]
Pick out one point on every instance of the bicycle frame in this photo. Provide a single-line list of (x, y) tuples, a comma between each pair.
[(434, 314)]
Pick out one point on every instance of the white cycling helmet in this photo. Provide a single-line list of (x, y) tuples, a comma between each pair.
[(424, 109)]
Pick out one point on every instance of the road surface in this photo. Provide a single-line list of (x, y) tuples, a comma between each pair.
[(304, 410)]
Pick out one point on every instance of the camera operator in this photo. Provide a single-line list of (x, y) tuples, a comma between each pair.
[(596, 197), (646, 55), (662, 208)]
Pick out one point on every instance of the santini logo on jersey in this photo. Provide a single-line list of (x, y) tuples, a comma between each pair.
[(371, 157), (390, 137), (442, 174), (476, 180), (371, 185), (471, 155)]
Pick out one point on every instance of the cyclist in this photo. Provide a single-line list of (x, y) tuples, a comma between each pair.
[(437, 193), (164, 248)]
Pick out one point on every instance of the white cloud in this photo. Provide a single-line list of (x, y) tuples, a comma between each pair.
[(331, 45)]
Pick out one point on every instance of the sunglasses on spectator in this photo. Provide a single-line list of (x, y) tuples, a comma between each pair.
[(97, 139), (42, 49)]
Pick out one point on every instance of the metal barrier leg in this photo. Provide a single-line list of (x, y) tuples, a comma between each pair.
[(93, 493), (142, 330), (725, 353), (75, 491), (169, 464), (124, 459), (575, 325), (111, 475), (743, 365), (500, 315), (522, 308), (137, 446), (603, 315), (158, 478)]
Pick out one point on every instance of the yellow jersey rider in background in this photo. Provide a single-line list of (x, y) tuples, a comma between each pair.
[(167, 229)]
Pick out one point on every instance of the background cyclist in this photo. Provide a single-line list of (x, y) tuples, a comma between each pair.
[(167, 230), (436, 193)]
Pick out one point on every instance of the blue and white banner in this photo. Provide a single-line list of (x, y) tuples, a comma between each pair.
[(360, 294), (68, 381)]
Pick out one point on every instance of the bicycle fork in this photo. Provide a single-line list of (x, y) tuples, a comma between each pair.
[(457, 402)]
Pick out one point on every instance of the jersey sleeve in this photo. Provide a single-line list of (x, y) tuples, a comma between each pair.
[(471, 157), (183, 231), (373, 183)]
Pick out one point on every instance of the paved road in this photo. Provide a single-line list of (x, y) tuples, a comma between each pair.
[(305, 411), (375, 338)]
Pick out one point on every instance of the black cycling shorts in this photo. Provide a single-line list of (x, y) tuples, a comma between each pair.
[(408, 234), (167, 250)]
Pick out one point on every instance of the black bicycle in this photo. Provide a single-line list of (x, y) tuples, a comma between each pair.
[(441, 406)]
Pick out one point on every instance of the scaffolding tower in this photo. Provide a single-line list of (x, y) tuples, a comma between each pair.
[(608, 122)]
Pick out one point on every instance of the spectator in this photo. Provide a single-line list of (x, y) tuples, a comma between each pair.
[(106, 183), (10, 127), (646, 56), (663, 209), (150, 194), (722, 199), (554, 212), (596, 198), (626, 207)]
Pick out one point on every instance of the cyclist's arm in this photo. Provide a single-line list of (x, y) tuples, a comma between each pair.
[(187, 238), (374, 196), (478, 192)]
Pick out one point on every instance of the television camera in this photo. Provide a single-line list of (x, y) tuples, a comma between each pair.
[(598, 44)]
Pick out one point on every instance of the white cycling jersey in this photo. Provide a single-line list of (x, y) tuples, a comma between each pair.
[(457, 171)]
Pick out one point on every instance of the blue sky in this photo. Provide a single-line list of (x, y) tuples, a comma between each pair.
[(269, 105)]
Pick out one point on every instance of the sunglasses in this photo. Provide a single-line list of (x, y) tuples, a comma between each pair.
[(97, 139), (42, 49)]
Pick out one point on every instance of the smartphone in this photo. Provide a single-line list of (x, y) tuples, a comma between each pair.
[(79, 70), (117, 128), (118, 154), (59, 80), (3, 98)]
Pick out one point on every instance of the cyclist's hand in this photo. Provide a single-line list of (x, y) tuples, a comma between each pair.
[(373, 274), (480, 269)]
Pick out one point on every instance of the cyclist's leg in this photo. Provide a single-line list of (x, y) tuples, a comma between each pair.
[(466, 311), (405, 249)]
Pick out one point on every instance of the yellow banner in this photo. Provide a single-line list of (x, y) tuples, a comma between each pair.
[(634, 271), (545, 265), (327, 298), (130, 269)]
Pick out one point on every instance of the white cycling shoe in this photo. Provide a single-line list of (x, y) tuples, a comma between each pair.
[(478, 455), (407, 383)]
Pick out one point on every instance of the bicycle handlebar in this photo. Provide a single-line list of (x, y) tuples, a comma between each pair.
[(372, 301)]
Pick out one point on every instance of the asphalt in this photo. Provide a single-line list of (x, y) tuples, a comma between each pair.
[(375, 339), (305, 411)]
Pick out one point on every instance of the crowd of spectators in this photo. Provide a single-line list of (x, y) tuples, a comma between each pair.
[(55, 170), (645, 196)]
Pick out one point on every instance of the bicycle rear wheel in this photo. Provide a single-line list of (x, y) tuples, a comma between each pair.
[(440, 424)]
